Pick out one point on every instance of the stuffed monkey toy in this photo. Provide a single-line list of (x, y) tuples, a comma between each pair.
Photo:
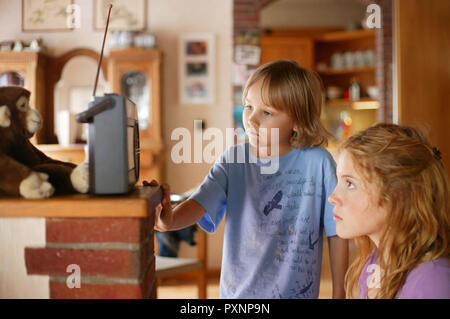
[(24, 170)]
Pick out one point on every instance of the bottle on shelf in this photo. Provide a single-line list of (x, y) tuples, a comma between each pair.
[(354, 90)]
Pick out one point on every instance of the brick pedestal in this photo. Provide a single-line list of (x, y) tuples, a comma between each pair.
[(114, 255)]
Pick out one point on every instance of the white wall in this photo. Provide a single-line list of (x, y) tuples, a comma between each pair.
[(58, 42), (167, 19), (15, 235)]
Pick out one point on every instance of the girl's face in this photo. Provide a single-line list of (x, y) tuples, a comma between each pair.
[(356, 210), (259, 118)]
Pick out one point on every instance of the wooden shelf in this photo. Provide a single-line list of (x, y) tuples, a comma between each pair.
[(138, 203), (362, 104), (345, 35), (346, 71)]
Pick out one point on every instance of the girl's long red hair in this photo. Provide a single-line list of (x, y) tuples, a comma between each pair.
[(414, 187)]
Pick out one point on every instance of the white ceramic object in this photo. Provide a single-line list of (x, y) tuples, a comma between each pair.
[(337, 61), (349, 58), (334, 92), (373, 91)]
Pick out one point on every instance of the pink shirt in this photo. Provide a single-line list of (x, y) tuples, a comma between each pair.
[(430, 280)]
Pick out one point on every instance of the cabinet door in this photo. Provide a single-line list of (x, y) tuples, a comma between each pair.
[(423, 73), (139, 81), (136, 85), (12, 78), (291, 48), (28, 69)]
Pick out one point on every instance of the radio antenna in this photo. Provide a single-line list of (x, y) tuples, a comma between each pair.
[(101, 54)]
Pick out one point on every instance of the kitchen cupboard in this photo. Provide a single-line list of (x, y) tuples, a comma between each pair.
[(343, 58), (287, 47)]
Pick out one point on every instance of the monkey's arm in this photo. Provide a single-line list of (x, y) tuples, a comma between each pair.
[(17, 179)]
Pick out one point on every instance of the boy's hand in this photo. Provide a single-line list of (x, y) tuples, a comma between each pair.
[(163, 212), (152, 183)]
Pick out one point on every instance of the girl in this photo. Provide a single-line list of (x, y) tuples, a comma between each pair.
[(274, 222), (393, 196)]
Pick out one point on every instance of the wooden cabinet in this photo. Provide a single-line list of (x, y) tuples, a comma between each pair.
[(291, 43), (27, 69), (346, 45), (353, 53), (136, 73), (294, 48)]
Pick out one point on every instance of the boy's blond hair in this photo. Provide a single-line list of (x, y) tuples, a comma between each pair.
[(298, 92)]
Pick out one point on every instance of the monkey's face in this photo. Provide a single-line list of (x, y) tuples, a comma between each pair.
[(16, 114)]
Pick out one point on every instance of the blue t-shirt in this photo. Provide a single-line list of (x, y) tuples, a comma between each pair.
[(274, 222)]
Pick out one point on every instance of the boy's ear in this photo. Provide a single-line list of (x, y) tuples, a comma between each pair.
[(5, 116)]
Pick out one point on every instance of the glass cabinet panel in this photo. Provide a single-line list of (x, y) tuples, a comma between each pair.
[(135, 87), (12, 78)]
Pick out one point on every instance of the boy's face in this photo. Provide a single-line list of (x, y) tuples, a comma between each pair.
[(356, 210), (260, 118)]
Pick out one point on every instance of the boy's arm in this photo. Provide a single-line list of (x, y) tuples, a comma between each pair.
[(339, 263), (185, 214)]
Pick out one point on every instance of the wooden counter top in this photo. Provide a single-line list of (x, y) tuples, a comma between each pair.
[(135, 204)]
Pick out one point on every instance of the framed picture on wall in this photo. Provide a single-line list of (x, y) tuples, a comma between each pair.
[(197, 68), (126, 15), (47, 15)]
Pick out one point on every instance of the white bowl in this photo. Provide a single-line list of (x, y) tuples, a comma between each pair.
[(373, 92), (334, 92)]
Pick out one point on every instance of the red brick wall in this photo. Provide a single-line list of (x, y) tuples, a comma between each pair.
[(246, 29), (246, 15), (115, 256), (384, 73)]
